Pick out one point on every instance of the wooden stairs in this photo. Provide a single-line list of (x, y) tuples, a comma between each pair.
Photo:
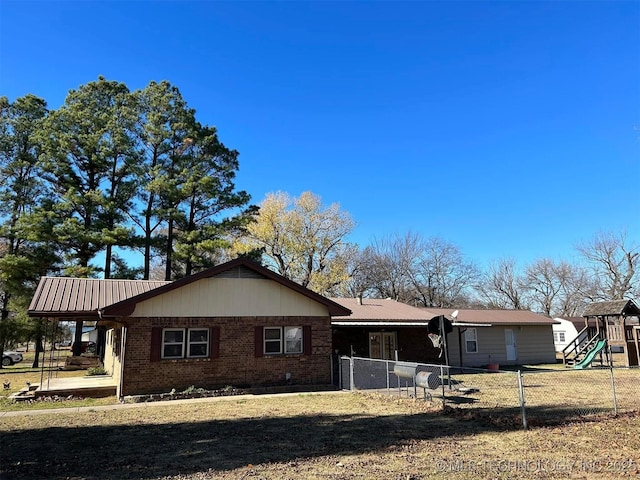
[(580, 346)]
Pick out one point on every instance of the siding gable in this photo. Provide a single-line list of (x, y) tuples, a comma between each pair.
[(239, 294)]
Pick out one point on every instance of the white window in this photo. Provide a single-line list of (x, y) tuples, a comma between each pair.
[(278, 340), (558, 337), (173, 343), (471, 340), (198, 345), (185, 343), (292, 339), (272, 340)]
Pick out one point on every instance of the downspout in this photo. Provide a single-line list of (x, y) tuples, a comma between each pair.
[(460, 332), (122, 349)]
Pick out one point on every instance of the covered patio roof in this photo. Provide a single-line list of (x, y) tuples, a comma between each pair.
[(65, 297)]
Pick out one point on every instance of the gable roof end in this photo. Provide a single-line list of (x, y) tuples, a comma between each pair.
[(126, 307)]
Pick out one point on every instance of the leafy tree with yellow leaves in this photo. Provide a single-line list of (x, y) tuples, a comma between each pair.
[(302, 240)]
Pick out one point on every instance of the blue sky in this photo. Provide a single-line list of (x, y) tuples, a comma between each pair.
[(508, 128)]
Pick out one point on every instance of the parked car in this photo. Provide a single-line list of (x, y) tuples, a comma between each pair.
[(9, 358), (63, 344)]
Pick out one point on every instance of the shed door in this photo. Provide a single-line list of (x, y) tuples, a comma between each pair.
[(510, 342)]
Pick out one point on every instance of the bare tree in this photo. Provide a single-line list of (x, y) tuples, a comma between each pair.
[(386, 264), (614, 262), (502, 286), (412, 269), (576, 290), (542, 280), (441, 274), (556, 288)]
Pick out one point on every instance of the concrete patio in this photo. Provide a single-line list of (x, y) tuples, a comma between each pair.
[(94, 386)]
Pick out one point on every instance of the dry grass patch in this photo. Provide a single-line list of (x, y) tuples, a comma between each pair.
[(330, 436)]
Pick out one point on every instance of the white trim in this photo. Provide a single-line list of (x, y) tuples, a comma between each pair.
[(185, 344), (282, 341), (163, 343), (471, 325), (403, 324), (471, 340), (189, 343), (271, 340), (380, 324)]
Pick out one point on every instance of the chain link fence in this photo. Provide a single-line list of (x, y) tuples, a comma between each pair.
[(522, 397)]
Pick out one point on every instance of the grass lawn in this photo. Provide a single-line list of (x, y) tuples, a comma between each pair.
[(329, 436)]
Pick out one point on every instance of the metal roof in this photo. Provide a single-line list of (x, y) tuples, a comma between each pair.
[(387, 312), (495, 316), (82, 297), (63, 297), (378, 310)]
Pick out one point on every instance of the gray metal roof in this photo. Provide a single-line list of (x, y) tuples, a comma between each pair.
[(83, 297), (611, 308)]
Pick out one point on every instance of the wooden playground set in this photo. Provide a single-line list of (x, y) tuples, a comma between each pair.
[(609, 326)]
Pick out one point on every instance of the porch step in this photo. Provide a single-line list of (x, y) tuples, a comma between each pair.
[(25, 393)]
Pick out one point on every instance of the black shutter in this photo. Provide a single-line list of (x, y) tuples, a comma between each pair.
[(306, 340), (259, 342), (214, 342), (156, 343)]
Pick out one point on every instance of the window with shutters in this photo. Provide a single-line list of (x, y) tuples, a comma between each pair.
[(283, 340), (185, 343)]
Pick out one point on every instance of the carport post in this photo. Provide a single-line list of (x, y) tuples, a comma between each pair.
[(386, 364), (522, 400), (352, 382), (444, 400)]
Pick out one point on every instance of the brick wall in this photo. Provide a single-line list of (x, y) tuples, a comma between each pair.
[(236, 365)]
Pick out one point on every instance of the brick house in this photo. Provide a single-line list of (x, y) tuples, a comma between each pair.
[(237, 324)]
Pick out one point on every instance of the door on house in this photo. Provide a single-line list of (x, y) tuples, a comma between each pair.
[(382, 345), (510, 342)]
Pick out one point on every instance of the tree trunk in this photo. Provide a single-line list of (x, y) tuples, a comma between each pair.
[(107, 262), (4, 315), (77, 340), (169, 253), (147, 256), (39, 351)]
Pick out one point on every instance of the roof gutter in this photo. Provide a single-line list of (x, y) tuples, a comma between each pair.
[(400, 324), (471, 325)]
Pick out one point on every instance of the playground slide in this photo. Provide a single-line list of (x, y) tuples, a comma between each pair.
[(586, 361)]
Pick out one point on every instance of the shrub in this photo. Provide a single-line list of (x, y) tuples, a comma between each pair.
[(99, 370)]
